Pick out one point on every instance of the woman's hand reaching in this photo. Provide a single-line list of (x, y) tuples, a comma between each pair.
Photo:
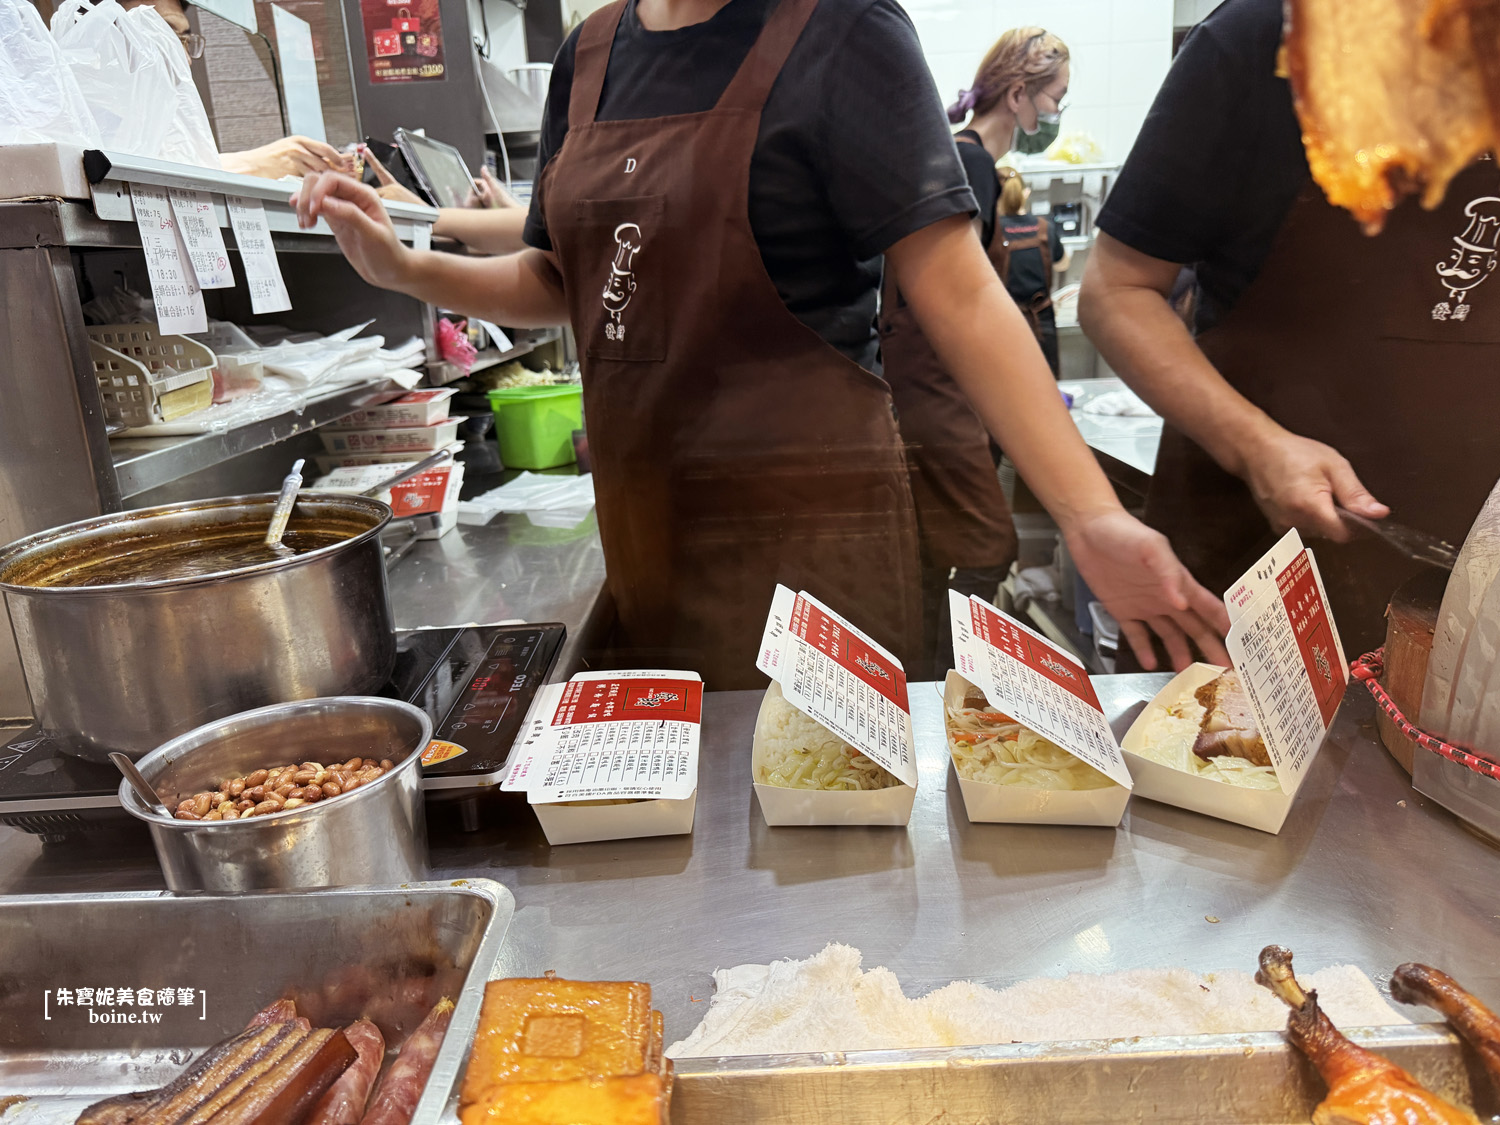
[(359, 222), (1132, 570)]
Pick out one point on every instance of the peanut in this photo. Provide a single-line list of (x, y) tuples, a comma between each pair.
[(331, 789), (256, 778), (266, 807), (294, 803), (387, 764)]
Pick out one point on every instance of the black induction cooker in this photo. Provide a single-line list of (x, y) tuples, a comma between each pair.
[(476, 683)]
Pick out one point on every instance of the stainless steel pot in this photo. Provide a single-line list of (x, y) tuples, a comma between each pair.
[(376, 834), (127, 665)]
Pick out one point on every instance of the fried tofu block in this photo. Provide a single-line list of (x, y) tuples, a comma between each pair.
[(551, 1030), (638, 1099)]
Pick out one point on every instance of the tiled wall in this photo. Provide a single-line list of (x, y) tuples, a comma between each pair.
[(1120, 51)]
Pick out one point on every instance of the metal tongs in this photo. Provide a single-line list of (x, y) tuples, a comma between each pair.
[(1414, 544)]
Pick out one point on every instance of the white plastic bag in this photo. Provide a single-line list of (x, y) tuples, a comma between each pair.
[(39, 98), (137, 79)]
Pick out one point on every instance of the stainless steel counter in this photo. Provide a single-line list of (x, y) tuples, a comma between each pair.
[(1364, 871), (507, 570), (1126, 447)]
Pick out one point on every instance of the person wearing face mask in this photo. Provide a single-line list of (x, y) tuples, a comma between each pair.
[(968, 540), (718, 184), (290, 156)]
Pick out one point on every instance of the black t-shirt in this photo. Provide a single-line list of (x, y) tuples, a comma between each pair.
[(1219, 161), (979, 166), (854, 151), (1027, 275)]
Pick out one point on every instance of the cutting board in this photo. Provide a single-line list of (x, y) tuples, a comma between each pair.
[(1410, 621)]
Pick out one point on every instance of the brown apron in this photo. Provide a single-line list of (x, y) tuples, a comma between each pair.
[(733, 448), (1041, 301), (1385, 349), (961, 512)]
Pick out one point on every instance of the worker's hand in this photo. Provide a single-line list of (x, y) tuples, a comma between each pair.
[(1132, 570), (490, 192), (1296, 481), (290, 156), (359, 223), (389, 188)]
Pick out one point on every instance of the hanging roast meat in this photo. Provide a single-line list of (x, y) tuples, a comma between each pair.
[(1395, 97), (1363, 1088)]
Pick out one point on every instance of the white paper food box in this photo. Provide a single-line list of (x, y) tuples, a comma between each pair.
[(838, 677), (433, 492), (1285, 645), (1024, 675), (327, 462), (417, 408), (1016, 804), (410, 439), (621, 736)]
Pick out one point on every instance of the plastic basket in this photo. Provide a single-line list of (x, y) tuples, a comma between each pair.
[(145, 377), (534, 425)]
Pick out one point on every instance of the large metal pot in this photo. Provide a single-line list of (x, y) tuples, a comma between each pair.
[(376, 834), (127, 665)]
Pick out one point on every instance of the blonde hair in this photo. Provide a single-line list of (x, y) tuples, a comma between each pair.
[(1031, 55), (1012, 192)]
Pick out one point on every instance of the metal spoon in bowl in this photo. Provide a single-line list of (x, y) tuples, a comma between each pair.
[(141, 786), (282, 513)]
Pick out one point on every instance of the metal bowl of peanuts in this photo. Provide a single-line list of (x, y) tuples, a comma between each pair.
[(317, 793)]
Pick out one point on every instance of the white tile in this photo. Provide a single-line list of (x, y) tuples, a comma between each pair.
[(1136, 21), (954, 26), (1124, 122), (1089, 74), (1136, 71), (1080, 22)]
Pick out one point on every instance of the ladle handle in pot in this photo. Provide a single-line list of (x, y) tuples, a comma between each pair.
[(421, 466)]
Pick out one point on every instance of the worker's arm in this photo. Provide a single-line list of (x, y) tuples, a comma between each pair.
[(489, 230), (985, 342), (522, 290), (1124, 310)]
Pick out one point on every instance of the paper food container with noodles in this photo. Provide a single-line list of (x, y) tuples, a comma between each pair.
[(1286, 651), (612, 756), (833, 740), (1025, 678)]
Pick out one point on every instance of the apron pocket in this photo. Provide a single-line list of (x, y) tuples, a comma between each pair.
[(626, 243)]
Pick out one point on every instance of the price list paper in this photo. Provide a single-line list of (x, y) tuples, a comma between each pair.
[(1034, 682), (199, 226), (613, 735), (1286, 649), (257, 255), (838, 676), (174, 289)]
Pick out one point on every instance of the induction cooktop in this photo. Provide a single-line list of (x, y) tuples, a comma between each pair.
[(476, 683)]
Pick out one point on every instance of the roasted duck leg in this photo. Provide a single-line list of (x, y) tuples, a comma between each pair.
[(1418, 984), (1363, 1088)]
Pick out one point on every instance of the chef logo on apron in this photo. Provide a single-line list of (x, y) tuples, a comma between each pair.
[(620, 285), (1472, 259)]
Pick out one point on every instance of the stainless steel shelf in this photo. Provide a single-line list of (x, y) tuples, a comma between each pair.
[(142, 464), (524, 345)]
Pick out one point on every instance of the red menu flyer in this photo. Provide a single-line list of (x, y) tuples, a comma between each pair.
[(836, 675), (612, 735), (1029, 678), (1286, 648)]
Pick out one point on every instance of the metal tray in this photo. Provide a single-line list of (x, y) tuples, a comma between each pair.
[(1224, 1079), (387, 953)]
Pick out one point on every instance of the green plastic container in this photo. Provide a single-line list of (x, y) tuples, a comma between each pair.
[(534, 425)]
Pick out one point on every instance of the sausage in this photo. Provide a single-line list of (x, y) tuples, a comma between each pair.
[(396, 1098), (344, 1103)]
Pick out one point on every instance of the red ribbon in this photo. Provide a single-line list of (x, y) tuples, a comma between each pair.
[(1367, 669)]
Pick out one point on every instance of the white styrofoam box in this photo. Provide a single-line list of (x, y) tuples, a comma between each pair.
[(28, 171), (417, 408)]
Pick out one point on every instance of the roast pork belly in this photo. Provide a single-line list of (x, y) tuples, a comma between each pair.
[(1229, 727)]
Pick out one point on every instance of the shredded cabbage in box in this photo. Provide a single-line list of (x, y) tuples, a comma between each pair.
[(794, 752), (990, 747), (1169, 738)]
